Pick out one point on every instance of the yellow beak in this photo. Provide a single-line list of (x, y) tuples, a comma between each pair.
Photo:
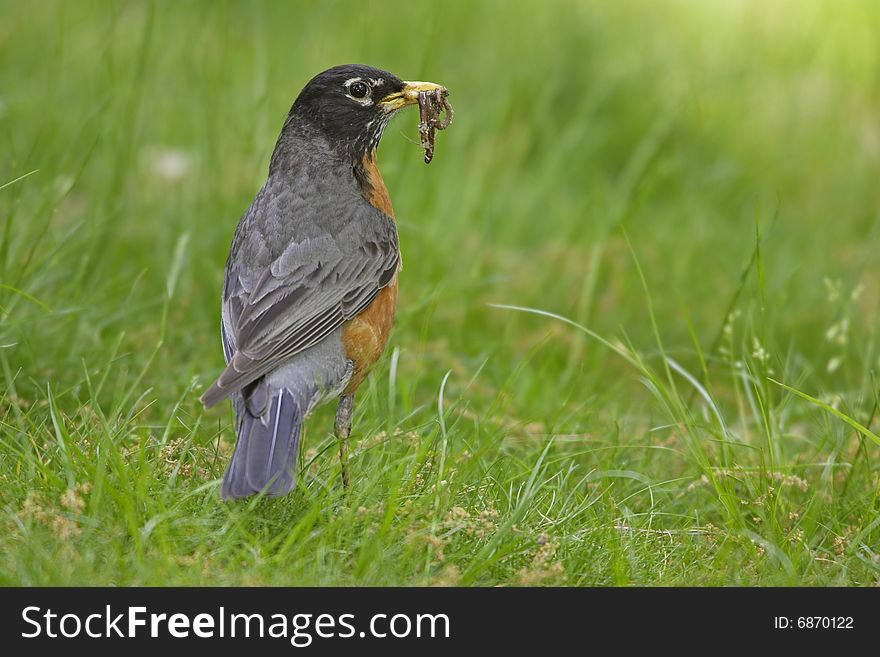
[(409, 95)]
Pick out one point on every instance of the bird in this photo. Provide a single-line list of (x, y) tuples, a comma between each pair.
[(310, 285)]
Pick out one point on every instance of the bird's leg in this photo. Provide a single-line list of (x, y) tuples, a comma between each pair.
[(342, 429)]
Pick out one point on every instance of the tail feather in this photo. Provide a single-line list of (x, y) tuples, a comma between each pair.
[(266, 452)]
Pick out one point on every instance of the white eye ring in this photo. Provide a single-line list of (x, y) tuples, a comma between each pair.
[(357, 85)]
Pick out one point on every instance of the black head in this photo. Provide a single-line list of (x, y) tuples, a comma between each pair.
[(352, 104)]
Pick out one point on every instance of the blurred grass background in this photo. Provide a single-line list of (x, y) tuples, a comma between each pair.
[(725, 154)]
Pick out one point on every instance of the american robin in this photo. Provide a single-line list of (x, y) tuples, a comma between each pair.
[(311, 279)]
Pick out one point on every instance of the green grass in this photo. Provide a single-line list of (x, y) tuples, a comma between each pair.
[(637, 341)]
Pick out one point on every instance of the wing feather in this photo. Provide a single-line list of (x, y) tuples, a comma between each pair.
[(306, 293)]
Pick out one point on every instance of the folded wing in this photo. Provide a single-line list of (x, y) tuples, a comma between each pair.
[(305, 294)]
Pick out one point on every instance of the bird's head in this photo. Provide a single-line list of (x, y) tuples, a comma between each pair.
[(352, 104)]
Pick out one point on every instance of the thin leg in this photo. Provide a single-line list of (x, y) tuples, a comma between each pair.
[(342, 429)]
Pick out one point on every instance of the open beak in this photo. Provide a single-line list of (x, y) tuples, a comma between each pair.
[(409, 95)]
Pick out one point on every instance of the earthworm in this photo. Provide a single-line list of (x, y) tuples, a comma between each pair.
[(431, 105)]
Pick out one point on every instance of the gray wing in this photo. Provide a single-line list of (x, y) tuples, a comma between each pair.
[(306, 293)]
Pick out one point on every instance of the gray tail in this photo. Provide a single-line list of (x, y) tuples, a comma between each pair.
[(265, 457)]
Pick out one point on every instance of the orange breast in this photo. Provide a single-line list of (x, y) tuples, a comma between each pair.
[(364, 336), (373, 187)]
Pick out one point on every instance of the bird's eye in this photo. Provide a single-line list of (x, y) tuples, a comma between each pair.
[(359, 90)]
